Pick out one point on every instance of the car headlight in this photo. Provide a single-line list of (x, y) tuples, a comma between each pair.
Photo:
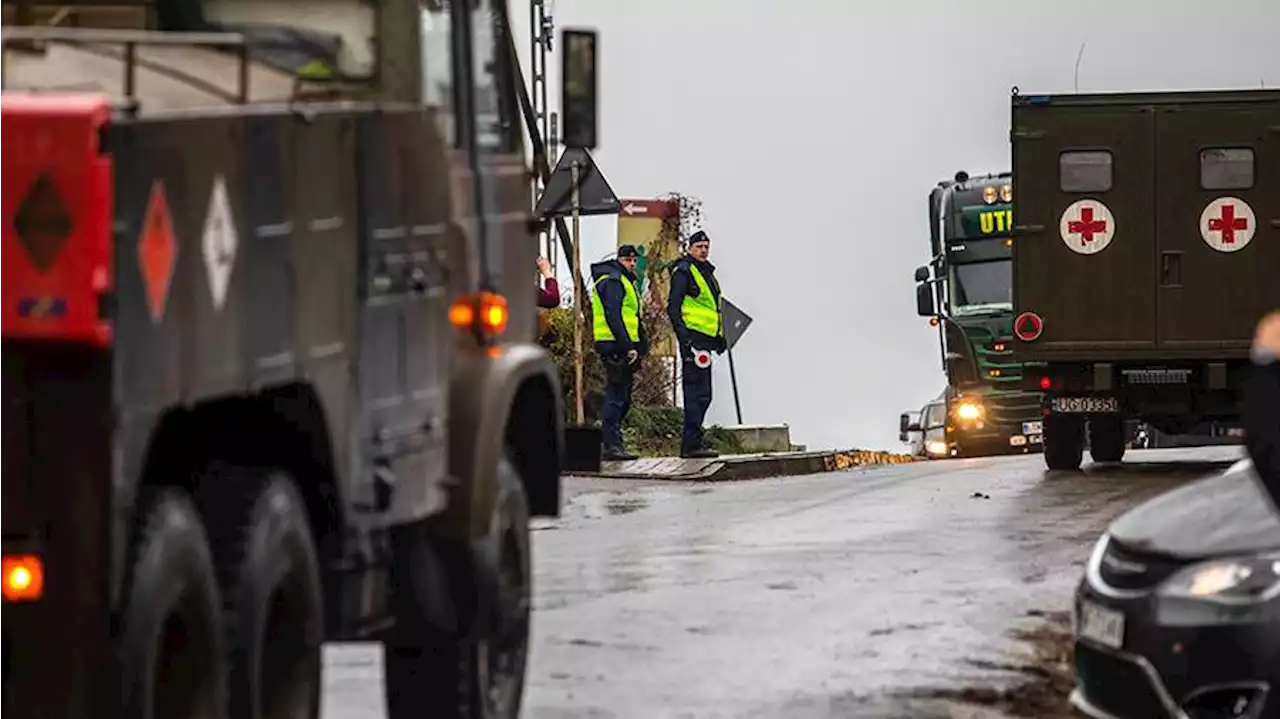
[(968, 410), (1235, 580)]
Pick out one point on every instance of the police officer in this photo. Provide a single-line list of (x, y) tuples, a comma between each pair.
[(620, 341), (696, 313)]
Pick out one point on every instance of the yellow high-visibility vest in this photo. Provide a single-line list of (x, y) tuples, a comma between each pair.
[(630, 310), (702, 313)]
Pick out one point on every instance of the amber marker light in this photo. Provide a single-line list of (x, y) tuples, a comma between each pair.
[(23, 578), (485, 313)]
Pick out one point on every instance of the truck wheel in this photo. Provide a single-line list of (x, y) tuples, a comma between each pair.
[(1107, 439), (440, 663), (1063, 442), (266, 559), (172, 660)]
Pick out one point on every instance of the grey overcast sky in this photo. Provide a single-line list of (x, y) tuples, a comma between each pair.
[(813, 130)]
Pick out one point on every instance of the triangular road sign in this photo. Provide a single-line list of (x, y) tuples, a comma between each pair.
[(595, 197), (736, 323)]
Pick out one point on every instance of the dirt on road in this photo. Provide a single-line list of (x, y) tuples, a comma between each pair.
[(1047, 674)]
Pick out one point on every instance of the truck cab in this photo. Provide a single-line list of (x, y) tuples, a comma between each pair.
[(966, 290), (1145, 249)]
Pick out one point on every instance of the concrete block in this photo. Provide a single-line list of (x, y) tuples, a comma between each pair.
[(761, 437)]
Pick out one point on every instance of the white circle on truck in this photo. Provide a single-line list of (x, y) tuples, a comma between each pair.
[(1087, 227), (1227, 224)]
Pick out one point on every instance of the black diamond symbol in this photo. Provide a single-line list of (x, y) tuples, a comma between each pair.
[(43, 223)]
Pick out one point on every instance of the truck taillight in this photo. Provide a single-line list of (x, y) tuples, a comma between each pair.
[(57, 203), (23, 578), (485, 313)]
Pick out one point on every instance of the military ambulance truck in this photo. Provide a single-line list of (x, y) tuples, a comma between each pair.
[(967, 289), (268, 369), (1146, 246)]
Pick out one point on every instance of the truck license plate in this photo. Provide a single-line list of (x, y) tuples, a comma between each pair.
[(1100, 624), (1032, 427), (1085, 405)]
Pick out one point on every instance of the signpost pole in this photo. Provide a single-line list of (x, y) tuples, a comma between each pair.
[(579, 315), (733, 381)]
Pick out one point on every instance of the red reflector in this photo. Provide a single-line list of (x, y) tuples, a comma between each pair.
[(1045, 383), (1028, 326), (57, 195)]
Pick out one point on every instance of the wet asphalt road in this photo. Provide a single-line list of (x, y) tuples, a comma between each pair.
[(820, 596)]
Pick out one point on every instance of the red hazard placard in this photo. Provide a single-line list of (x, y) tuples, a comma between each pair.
[(1227, 224), (157, 251)]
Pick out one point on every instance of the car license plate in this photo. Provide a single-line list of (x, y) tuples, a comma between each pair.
[(1032, 427), (1017, 440), (1085, 405), (1100, 624)]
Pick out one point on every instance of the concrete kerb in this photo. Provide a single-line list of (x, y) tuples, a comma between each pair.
[(740, 467)]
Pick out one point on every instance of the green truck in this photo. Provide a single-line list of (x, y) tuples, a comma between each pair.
[(967, 289), (1146, 249)]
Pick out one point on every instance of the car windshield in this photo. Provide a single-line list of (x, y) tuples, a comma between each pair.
[(982, 287)]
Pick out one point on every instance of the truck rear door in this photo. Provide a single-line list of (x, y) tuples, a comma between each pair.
[(1217, 221), (1084, 234)]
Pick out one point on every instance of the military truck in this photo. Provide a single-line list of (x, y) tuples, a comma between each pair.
[(1145, 249), (268, 370), (966, 290)]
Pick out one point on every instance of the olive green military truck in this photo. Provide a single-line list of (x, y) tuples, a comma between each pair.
[(268, 359), (967, 288), (1146, 246)]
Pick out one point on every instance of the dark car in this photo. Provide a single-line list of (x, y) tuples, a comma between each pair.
[(1178, 614)]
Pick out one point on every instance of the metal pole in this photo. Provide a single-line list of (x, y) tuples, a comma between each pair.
[(733, 380), (675, 373), (553, 154), (578, 301)]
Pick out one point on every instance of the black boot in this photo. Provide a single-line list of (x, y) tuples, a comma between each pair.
[(617, 454), (699, 453)]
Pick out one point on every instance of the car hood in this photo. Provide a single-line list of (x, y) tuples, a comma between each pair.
[(1225, 514)]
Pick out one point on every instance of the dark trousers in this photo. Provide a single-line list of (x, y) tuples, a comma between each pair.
[(695, 381), (617, 398)]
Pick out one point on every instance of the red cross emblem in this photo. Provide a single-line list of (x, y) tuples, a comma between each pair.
[(1228, 223), (1086, 226)]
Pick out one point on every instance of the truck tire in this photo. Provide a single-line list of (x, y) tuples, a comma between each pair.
[(1063, 442), (1107, 439), (172, 658), (438, 662), (272, 600)]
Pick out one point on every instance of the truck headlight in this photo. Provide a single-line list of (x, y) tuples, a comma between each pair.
[(936, 448), (968, 410), (1235, 580)]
